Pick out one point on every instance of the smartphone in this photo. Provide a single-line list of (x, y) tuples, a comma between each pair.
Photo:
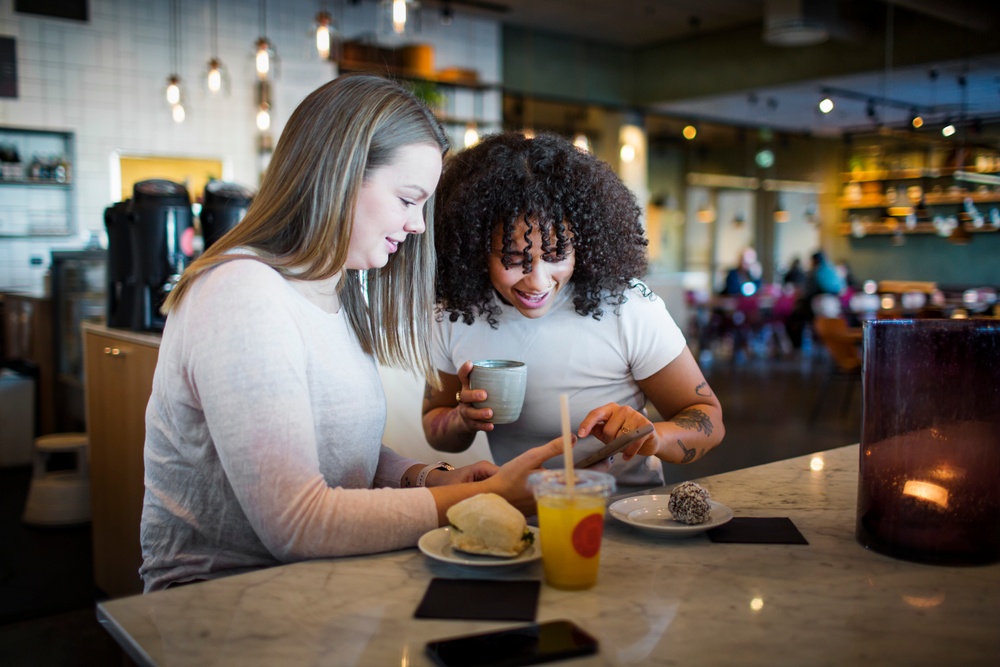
[(615, 446), (524, 645)]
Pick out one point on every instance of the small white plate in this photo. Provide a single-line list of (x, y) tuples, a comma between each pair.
[(437, 545), (650, 514)]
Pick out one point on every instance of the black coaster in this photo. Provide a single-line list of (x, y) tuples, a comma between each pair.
[(480, 599), (758, 530)]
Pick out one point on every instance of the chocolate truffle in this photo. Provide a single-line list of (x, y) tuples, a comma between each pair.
[(689, 503)]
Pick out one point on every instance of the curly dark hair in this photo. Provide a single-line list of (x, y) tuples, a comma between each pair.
[(573, 197)]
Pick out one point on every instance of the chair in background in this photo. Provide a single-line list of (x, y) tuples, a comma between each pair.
[(843, 346), (59, 497)]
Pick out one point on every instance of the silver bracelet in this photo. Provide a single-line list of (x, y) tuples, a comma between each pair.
[(440, 465)]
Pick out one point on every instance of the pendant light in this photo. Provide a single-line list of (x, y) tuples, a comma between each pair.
[(173, 90), (263, 118), (326, 34), (215, 77), (265, 59), (398, 17)]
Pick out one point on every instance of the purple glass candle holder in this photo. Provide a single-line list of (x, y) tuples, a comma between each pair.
[(929, 481)]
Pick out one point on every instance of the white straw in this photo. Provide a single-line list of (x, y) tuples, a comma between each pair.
[(567, 443)]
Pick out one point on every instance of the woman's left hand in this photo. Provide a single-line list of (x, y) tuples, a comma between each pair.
[(475, 472), (612, 420)]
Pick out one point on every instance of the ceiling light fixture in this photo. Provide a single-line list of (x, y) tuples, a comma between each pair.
[(265, 59), (689, 132), (215, 75), (398, 16), (917, 121), (826, 105), (173, 91), (948, 130), (324, 24)]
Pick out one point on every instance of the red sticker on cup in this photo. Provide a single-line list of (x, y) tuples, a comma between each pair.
[(587, 535)]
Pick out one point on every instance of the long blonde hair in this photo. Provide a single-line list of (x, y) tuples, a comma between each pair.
[(302, 217)]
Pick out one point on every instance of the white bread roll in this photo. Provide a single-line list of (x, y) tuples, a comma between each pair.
[(487, 524)]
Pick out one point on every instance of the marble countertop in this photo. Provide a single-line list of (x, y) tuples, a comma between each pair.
[(657, 602)]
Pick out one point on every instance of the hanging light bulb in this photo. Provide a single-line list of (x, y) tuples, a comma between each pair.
[(262, 59), (826, 105), (689, 132), (323, 22), (264, 117), (627, 153), (177, 111), (948, 130), (214, 76), (173, 89), (398, 16)]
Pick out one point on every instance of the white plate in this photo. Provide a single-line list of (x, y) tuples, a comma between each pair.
[(437, 545), (650, 514)]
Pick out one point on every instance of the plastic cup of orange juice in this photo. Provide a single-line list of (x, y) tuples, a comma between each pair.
[(571, 525)]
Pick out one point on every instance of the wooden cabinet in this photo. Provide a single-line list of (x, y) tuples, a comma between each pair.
[(119, 367)]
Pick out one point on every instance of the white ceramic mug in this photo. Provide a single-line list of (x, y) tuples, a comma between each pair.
[(504, 381)]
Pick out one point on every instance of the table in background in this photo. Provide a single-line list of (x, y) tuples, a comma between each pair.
[(658, 601)]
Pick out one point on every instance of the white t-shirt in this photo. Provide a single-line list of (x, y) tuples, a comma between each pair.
[(263, 437), (595, 362)]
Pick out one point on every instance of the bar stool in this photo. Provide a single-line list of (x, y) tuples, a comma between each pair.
[(59, 497)]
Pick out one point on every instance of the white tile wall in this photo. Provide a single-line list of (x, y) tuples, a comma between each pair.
[(104, 81)]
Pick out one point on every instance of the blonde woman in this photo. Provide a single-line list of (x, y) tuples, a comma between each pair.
[(263, 430)]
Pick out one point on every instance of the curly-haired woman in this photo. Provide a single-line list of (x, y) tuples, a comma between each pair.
[(540, 252)]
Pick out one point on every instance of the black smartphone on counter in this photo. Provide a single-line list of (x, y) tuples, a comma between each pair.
[(524, 645)]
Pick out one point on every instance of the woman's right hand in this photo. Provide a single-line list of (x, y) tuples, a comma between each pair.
[(475, 419), (511, 480)]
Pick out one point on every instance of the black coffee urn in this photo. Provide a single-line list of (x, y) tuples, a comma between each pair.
[(224, 205), (162, 244), (120, 291)]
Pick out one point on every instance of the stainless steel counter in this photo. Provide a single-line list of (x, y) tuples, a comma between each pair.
[(658, 601)]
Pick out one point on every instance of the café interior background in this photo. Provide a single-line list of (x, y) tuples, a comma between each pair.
[(705, 198)]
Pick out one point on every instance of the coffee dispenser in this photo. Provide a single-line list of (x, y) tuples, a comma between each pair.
[(162, 244), (120, 289), (225, 205)]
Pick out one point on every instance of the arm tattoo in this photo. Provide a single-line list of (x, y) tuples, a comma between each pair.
[(703, 390), (694, 419), (689, 454)]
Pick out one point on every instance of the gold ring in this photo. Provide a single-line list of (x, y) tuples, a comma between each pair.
[(458, 396), (623, 429)]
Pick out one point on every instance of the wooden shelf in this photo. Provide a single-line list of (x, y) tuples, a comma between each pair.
[(907, 174), (930, 199), (881, 228)]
